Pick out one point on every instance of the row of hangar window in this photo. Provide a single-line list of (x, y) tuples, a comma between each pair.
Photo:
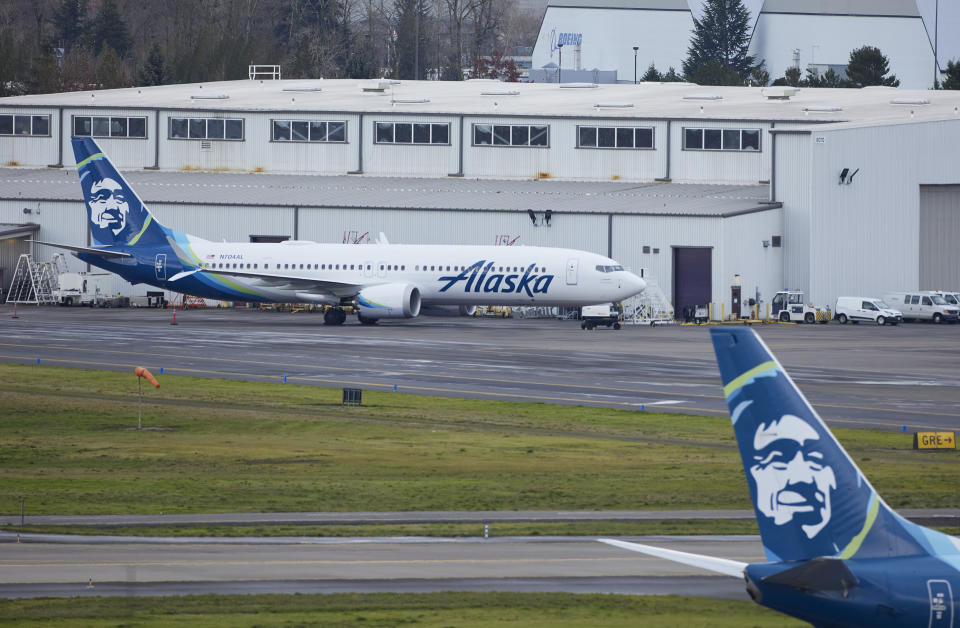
[(383, 267), (416, 133)]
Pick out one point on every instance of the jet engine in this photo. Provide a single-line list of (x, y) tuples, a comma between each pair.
[(389, 300), (448, 310)]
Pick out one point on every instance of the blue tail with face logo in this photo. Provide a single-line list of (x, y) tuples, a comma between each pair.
[(117, 216), (810, 498)]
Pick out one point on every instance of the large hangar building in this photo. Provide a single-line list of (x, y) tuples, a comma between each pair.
[(602, 34), (835, 192)]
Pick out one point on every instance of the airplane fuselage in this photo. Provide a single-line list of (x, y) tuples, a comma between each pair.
[(444, 274)]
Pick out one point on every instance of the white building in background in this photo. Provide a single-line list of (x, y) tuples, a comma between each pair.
[(833, 191), (784, 33)]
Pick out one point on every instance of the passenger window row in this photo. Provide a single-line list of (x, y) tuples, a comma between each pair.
[(382, 267)]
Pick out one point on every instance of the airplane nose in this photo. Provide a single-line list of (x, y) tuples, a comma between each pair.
[(635, 284)]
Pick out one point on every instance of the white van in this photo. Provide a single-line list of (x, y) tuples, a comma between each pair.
[(923, 305), (856, 309)]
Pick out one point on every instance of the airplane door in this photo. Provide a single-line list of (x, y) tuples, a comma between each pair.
[(160, 266), (572, 271), (941, 604)]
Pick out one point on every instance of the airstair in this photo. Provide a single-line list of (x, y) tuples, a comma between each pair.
[(650, 307), (34, 282)]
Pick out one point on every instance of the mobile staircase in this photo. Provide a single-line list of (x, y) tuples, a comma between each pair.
[(33, 282)]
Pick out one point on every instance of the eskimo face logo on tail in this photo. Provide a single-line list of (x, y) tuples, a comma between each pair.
[(113, 219), (793, 482), (484, 277)]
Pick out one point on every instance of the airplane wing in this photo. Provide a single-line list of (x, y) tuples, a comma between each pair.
[(724, 566), (84, 249), (291, 282)]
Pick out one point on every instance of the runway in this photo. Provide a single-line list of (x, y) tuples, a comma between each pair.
[(890, 378), (564, 564)]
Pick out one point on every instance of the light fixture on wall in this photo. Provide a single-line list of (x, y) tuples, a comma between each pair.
[(766, 243), (533, 217), (846, 177)]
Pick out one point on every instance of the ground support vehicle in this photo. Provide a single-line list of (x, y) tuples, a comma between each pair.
[(790, 306)]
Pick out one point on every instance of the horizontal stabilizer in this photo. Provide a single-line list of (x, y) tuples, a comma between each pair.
[(84, 249), (183, 274), (724, 566), (819, 574)]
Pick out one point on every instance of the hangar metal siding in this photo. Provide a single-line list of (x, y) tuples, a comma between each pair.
[(31, 150), (527, 162), (793, 157), (607, 163), (124, 152), (719, 165), (581, 231), (411, 159), (871, 228)]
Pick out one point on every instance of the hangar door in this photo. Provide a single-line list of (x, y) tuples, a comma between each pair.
[(939, 237), (692, 278)]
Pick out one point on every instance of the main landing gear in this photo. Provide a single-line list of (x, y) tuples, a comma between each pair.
[(334, 316), (366, 321)]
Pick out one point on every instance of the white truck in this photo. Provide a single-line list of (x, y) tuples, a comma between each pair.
[(79, 289), (791, 306), (606, 314)]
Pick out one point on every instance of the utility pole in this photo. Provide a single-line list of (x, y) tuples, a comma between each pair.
[(560, 66), (936, 32)]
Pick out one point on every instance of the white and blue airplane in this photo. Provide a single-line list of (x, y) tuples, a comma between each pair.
[(837, 555), (379, 280)]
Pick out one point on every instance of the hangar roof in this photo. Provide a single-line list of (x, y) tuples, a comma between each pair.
[(885, 8), (233, 189), (646, 101)]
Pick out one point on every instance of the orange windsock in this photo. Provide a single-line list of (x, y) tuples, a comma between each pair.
[(142, 372)]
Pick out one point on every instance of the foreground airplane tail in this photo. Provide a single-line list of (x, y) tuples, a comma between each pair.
[(810, 498), (116, 214), (838, 556)]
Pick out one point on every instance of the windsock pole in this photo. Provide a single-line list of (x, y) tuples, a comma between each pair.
[(141, 372)]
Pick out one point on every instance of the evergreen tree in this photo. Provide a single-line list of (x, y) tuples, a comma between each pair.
[(45, 78), (713, 72), (70, 20), (154, 71), (412, 46), (951, 78), (829, 79), (868, 66), (108, 28), (759, 77), (652, 74), (671, 76), (718, 49), (110, 73), (793, 76)]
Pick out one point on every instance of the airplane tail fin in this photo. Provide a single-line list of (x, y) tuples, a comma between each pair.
[(810, 498), (116, 214)]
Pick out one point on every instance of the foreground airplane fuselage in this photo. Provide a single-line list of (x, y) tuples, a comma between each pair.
[(381, 280), (837, 555)]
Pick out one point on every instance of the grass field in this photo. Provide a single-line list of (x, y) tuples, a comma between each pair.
[(463, 610), (67, 447)]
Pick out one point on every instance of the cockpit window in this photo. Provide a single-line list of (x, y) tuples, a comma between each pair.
[(609, 269)]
